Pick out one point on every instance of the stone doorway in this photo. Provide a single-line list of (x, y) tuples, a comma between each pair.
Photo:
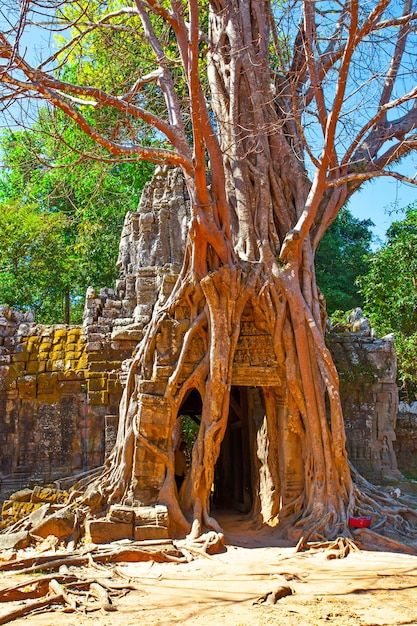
[(232, 487)]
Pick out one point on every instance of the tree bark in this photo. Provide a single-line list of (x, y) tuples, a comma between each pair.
[(258, 251)]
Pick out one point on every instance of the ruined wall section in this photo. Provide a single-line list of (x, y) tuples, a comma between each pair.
[(406, 439), (367, 369), (58, 391), (60, 386)]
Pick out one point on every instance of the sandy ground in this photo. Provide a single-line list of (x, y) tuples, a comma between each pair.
[(367, 589)]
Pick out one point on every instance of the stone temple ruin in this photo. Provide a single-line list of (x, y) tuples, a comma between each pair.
[(60, 386)]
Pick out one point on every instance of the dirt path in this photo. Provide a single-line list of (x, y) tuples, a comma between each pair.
[(367, 589)]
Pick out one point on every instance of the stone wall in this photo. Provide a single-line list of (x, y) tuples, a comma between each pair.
[(406, 439), (367, 368), (59, 393)]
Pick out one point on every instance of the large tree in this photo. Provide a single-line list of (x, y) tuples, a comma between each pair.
[(276, 113)]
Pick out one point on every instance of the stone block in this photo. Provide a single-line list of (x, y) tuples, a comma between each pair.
[(60, 524), (114, 386), (49, 494), (150, 532), (60, 333), (74, 334), (151, 515), (106, 531), (120, 513), (97, 384), (17, 510), (19, 357), (110, 313), (14, 541), (23, 495), (33, 367), (58, 365), (98, 397), (94, 346), (104, 366)]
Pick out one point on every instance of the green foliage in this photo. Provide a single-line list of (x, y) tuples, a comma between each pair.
[(91, 197), (34, 260), (390, 286), (390, 295), (341, 258)]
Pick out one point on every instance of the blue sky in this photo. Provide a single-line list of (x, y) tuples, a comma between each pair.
[(381, 199)]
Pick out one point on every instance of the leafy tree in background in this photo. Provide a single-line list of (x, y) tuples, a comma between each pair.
[(34, 260), (390, 294), (341, 258), (91, 197)]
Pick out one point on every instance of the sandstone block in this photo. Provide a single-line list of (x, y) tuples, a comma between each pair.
[(19, 357), (98, 397), (49, 494), (14, 541), (17, 510), (94, 346), (32, 367), (23, 495), (114, 386), (105, 531), (150, 532), (151, 515), (97, 384), (120, 513), (60, 524)]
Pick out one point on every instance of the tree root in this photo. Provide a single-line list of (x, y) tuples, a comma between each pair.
[(337, 549)]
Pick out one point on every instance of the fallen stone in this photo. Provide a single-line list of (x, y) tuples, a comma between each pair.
[(14, 541), (14, 511), (24, 495), (150, 532), (106, 531), (60, 524), (49, 494)]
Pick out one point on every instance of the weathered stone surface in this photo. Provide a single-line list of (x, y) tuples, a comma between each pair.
[(367, 368), (61, 524), (150, 532), (14, 541), (14, 511), (151, 515), (49, 494), (106, 531), (119, 513), (24, 495)]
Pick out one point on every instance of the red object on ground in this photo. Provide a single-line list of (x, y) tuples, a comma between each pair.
[(363, 521)]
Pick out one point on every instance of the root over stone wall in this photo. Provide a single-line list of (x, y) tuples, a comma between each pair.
[(60, 386)]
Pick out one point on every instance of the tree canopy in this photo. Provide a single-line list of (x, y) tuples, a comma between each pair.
[(88, 199), (34, 260), (341, 258)]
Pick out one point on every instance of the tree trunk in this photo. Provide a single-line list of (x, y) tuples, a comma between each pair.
[(262, 254)]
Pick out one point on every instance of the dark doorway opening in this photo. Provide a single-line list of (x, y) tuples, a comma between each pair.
[(232, 482), (190, 416)]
